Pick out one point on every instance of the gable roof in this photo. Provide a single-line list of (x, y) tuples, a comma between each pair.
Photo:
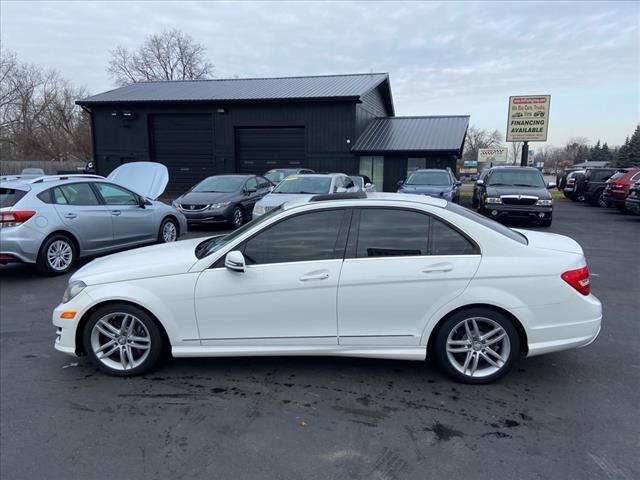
[(413, 134), (324, 87)]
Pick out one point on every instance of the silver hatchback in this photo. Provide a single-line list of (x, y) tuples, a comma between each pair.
[(54, 220)]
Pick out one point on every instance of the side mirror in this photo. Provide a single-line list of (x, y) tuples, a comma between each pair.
[(458, 183), (551, 185), (479, 182), (141, 202), (235, 261), (249, 191), (400, 183), (368, 185)]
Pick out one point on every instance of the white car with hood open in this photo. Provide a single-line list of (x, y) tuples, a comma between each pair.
[(377, 275)]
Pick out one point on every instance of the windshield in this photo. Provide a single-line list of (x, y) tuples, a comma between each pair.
[(308, 185), (440, 179), (214, 244), (517, 178), (276, 176), (219, 184), (9, 196), (487, 222)]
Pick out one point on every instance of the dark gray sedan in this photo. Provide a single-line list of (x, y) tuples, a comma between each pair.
[(223, 199)]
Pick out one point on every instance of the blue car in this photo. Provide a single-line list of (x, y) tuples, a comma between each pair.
[(435, 182)]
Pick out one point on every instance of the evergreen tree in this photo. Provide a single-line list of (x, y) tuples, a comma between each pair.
[(634, 148), (595, 155), (605, 153), (622, 155)]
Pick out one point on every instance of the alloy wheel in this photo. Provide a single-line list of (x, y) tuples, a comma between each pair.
[(60, 255), (120, 341), (237, 217), (169, 232), (601, 201), (478, 347)]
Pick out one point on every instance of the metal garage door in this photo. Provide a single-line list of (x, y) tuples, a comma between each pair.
[(261, 149), (184, 143)]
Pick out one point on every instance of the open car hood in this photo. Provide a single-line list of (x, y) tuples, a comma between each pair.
[(148, 179)]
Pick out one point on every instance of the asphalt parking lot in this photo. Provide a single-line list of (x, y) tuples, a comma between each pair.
[(570, 415)]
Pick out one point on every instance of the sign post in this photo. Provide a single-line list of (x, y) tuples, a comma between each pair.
[(528, 121)]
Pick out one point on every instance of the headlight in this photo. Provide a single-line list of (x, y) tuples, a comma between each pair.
[(258, 209), (213, 206), (72, 290), (545, 203), (492, 200)]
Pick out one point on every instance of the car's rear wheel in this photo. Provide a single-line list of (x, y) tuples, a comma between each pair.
[(599, 200), (237, 217), (477, 345), (168, 231), (57, 255), (122, 340)]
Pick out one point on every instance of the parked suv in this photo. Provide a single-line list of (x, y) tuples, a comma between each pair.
[(618, 186), (632, 203), (516, 192), (434, 182), (595, 181)]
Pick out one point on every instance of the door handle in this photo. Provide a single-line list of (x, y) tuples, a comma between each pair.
[(115, 212), (70, 215), (441, 267), (314, 276)]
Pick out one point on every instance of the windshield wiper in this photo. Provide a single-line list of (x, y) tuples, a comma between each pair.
[(523, 185), (500, 185)]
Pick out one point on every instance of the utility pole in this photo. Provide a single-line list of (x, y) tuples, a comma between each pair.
[(524, 157)]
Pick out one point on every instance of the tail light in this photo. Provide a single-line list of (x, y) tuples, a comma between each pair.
[(571, 180), (578, 279), (15, 218), (617, 185)]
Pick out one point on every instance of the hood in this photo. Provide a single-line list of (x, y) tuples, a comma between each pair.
[(276, 199), (205, 198), (551, 241), (496, 191), (425, 189), (154, 261), (148, 179)]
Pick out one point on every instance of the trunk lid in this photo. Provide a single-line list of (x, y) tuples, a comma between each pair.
[(551, 241)]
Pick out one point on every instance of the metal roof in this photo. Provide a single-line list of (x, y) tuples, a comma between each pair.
[(407, 134), (243, 89)]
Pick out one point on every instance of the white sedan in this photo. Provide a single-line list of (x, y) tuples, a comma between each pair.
[(361, 275)]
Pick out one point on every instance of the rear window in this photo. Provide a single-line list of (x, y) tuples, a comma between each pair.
[(487, 222), (10, 196)]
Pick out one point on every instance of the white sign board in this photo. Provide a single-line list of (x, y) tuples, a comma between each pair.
[(492, 155), (528, 119)]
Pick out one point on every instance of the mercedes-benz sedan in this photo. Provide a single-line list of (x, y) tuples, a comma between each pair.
[(378, 275)]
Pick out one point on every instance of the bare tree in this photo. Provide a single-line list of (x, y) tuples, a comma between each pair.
[(168, 55), (38, 116), (515, 152), (478, 138)]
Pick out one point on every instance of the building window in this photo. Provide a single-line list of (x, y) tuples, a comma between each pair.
[(373, 167)]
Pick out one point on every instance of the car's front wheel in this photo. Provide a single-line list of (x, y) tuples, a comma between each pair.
[(477, 345), (168, 231), (237, 217), (122, 340)]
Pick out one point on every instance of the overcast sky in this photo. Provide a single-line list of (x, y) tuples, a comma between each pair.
[(443, 58)]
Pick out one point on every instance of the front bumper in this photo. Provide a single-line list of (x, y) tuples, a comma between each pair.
[(218, 215), (21, 243), (532, 212), (632, 203), (66, 328)]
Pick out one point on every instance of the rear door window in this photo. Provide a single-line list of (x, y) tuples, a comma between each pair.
[(10, 196), (77, 194), (447, 241), (386, 232)]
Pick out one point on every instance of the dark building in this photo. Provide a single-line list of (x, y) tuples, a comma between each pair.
[(339, 123)]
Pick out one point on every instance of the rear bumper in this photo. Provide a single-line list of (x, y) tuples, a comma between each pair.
[(614, 199), (564, 326), (21, 243)]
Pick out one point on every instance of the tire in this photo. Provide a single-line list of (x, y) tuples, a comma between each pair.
[(598, 199), (103, 333), (237, 217), (504, 343), (168, 231), (58, 254)]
